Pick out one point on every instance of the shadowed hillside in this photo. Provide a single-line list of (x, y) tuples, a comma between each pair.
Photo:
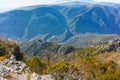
[(38, 48)]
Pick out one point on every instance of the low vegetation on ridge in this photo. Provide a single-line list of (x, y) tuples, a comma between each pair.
[(92, 63)]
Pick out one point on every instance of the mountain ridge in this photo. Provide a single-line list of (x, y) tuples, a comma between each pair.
[(59, 23), (38, 47)]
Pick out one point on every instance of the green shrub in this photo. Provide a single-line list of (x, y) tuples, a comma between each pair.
[(2, 51), (18, 54), (110, 76), (64, 71), (36, 65), (95, 70)]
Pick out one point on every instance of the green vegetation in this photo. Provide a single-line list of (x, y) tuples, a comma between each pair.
[(18, 54), (36, 65), (64, 71), (2, 51), (114, 75), (92, 63), (86, 51), (9, 47), (38, 48)]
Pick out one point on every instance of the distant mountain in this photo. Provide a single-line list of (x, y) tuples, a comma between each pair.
[(59, 23), (28, 24), (88, 39)]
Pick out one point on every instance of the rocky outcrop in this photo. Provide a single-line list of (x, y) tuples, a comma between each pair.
[(17, 70), (13, 70), (15, 66)]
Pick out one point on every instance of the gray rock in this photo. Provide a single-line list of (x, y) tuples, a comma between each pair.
[(47, 77), (1, 78), (20, 77), (12, 57), (10, 63), (6, 61), (2, 70), (35, 76)]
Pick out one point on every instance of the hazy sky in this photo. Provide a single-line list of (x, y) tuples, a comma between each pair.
[(10, 4), (114, 1)]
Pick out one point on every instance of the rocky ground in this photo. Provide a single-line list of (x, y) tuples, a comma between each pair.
[(10, 69)]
